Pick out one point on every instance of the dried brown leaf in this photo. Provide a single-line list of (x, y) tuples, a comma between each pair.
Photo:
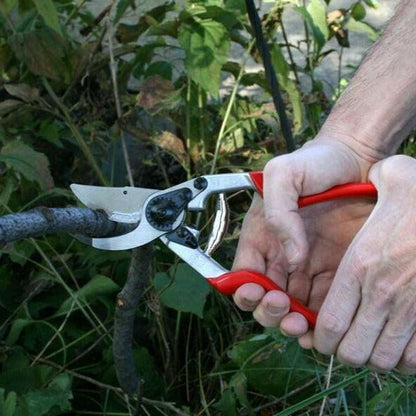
[(9, 105), (23, 91), (43, 51), (171, 144), (155, 91)]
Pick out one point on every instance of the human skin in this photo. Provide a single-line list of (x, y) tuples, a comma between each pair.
[(371, 118)]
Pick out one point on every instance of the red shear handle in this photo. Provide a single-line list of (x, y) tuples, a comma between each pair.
[(229, 282), (348, 190)]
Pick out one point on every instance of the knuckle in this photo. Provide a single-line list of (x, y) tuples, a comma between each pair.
[(360, 259), (351, 355), (277, 165), (272, 219), (409, 358), (406, 370), (331, 325), (382, 294), (382, 362)]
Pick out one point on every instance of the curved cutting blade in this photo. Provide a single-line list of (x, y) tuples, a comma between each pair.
[(121, 204)]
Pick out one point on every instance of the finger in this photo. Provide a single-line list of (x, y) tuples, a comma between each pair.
[(388, 349), (407, 363), (273, 307), (281, 194), (356, 346), (299, 286), (397, 333), (248, 257), (320, 287), (294, 324), (306, 340), (339, 307), (248, 296)]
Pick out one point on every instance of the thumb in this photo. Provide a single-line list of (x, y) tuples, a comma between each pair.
[(319, 165), (281, 194)]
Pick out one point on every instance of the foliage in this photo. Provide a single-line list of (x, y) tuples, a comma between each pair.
[(80, 80)]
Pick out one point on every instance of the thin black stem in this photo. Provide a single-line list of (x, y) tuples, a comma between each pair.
[(270, 75)]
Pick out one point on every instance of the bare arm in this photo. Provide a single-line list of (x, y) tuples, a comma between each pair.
[(378, 109), (369, 121)]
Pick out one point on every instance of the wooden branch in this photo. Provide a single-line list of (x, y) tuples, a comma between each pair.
[(127, 302), (42, 220)]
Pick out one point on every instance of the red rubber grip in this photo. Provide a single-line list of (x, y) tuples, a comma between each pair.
[(229, 282), (348, 190)]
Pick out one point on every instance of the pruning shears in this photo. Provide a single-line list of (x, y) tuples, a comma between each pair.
[(162, 213)]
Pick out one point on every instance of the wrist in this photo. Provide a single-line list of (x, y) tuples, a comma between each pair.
[(347, 152), (364, 145)]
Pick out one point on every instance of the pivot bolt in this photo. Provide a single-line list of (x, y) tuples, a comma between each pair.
[(200, 183)]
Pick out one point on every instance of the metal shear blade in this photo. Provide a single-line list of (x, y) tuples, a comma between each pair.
[(120, 204)]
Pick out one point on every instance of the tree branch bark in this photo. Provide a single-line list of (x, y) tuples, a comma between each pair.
[(43, 220)]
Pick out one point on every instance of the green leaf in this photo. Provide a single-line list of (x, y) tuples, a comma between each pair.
[(16, 329), (362, 27), (21, 252), (315, 16), (237, 6), (372, 3), (44, 53), (97, 287), (161, 68), (272, 364), (46, 8), (185, 291), (6, 6), (358, 11), (206, 44), (122, 6), (168, 28), (128, 33), (8, 404), (227, 405), (7, 191), (50, 131), (33, 165), (24, 379), (238, 383), (54, 400)]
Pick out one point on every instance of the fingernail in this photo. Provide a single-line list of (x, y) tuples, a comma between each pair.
[(274, 310), (250, 303), (291, 251)]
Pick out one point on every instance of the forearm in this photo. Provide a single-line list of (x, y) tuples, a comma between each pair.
[(378, 109)]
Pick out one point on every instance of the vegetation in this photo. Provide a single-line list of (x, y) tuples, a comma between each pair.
[(119, 92)]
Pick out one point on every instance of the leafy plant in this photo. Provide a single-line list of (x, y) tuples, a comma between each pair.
[(109, 93)]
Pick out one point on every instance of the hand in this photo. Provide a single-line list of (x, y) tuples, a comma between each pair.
[(277, 245), (369, 315), (330, 228)]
